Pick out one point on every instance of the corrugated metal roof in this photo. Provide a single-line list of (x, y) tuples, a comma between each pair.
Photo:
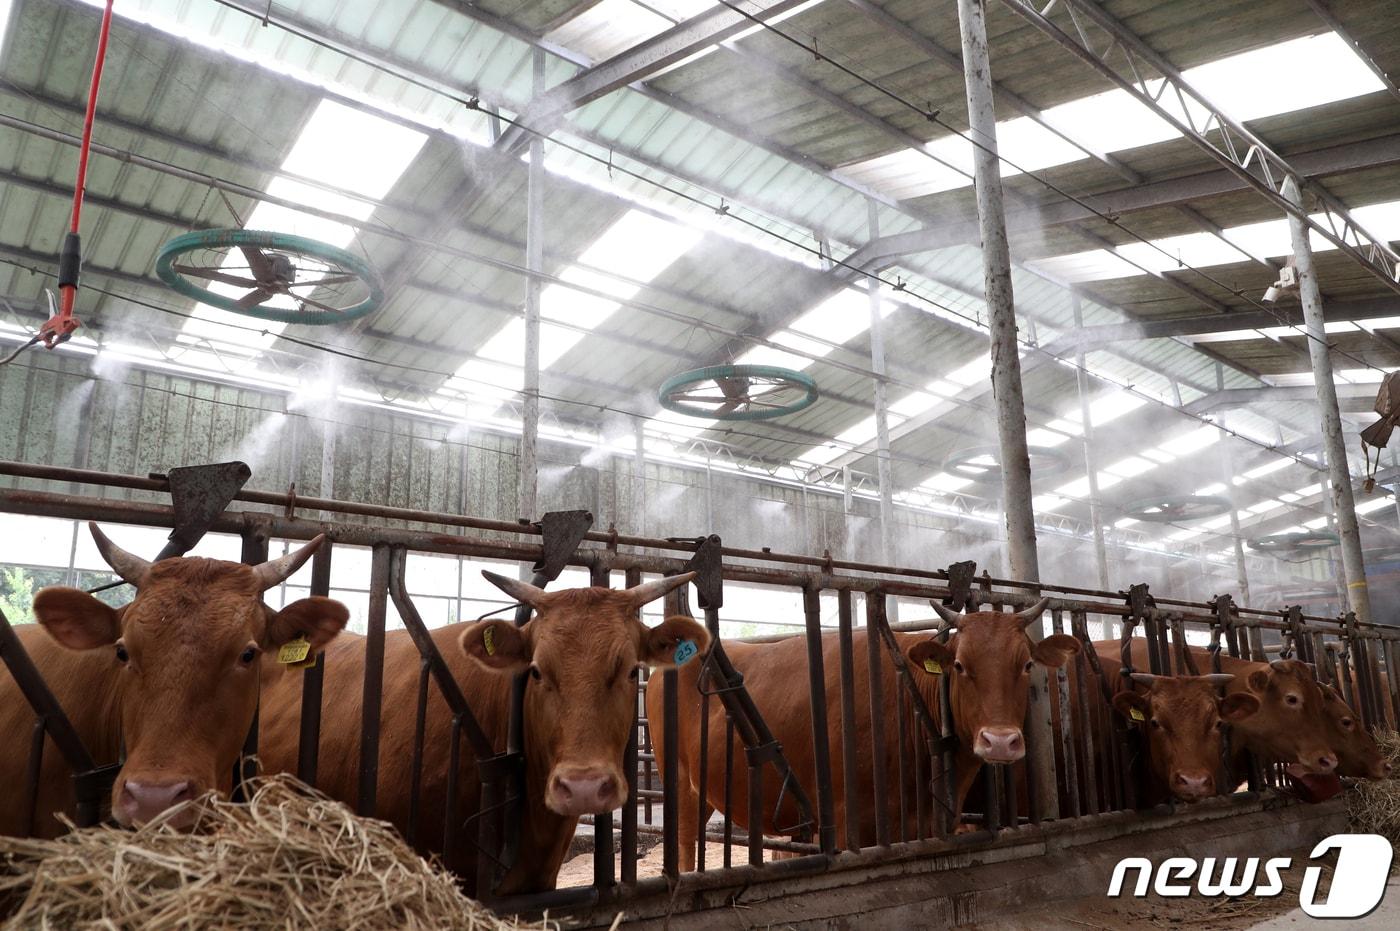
[(799, 119)]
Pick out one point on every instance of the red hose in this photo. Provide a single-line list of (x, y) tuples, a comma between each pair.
[(70, 291)]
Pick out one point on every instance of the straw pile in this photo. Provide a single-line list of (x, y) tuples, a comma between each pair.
[(1374, 807), (290, 858)]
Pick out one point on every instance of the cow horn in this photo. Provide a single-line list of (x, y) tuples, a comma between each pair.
[(276, 571), (1279, 665), (130, 568), (1219, 678), (950, 617), (650, 591), (523, 592), (1033, 613), (1145, 678)]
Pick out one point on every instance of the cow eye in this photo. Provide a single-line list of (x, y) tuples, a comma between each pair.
[(1292, 699), (1346, 722), (636, 671), (122, 655), (534, 672), (1220, 725), (1029, 664), (249, 654), (958, 666), (1156, 725)]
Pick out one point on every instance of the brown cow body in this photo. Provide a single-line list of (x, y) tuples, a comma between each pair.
[(172, 677), (582, 649), (1290, 725), (988, 660)]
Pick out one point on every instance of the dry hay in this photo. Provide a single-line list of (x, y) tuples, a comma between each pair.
[(1373, 807), (289, 858)]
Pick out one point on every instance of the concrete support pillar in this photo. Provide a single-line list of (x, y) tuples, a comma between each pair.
[(1091, 468), (1001, 309), (534, 261), (882, 422), (1333, 443), (1006, 373), (639, 478)]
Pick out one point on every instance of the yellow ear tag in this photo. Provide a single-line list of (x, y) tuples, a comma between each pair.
[(932, 667), (294, 652), (488, 640), (1136, 715)]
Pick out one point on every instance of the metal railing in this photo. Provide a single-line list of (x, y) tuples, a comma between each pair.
[(790, 808)]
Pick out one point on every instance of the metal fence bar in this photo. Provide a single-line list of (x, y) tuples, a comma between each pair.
[(670, 688), (313, 679), (874, 612), (849, 780), (1067, 745), (374, 681), (821, 745)]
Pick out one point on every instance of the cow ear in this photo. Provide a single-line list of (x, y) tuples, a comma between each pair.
[(1259, 680), (317, 619), (931, 656), (674, 641), (498, 645), (1238, 706), (1126, 703), (1055, 650), (76, 619)]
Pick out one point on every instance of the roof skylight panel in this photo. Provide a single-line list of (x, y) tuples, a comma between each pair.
[(326, 149)]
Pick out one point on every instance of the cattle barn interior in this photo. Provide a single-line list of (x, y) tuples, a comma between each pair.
[(867, 312)]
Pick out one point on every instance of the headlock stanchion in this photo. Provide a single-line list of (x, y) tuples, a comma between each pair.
[(891, 753)]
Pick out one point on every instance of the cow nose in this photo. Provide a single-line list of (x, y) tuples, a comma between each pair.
[(1000, 744), (142, 801), (1193, 786), (584, 793), (1327, 762)]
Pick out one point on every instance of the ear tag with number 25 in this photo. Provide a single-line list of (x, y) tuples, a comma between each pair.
[(933, 667), (684, 651)]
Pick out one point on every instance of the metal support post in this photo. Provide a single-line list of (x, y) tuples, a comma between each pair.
[(534, 260), (882, 419), (1091, 470), (1338, 473)]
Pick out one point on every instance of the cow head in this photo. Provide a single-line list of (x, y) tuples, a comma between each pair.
[(583, 649), (1291, 725), (186, 653), (990, 659), (1184, 720), (1358, 755)]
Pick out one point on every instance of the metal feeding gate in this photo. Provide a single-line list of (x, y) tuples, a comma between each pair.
[(1075, 785)]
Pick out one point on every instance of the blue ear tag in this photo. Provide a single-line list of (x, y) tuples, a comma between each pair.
[(684, 651)]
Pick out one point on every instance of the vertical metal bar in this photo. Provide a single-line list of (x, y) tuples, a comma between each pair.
[(920, 784), (755, 814), (485, 867), (850, 775), (373, 695), (901, 764), (950, 769), (1067, 744), (629, 809), (874, 610), (821, 736), (728, 790), (1179, 646), (254, 552), (420, 727), (1079, 628), (603, 853), (1338, 473), (534, 261), (992, 816), (703, 789), (33, 774), (670, 689), (313, 679)]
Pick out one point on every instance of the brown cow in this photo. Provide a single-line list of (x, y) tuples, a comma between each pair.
[(583, 648), (172, 676), (1184, 721), (989, 657), (1290, 726), (1358, 754)]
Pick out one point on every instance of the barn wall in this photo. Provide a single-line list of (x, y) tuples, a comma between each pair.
[(128, 420)]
